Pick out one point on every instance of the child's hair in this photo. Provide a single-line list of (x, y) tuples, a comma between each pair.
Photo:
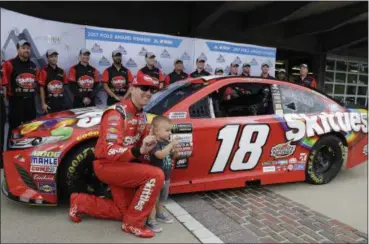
[(158, 119)]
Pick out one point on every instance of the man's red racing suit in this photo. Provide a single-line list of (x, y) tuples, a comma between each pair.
[(135, 187)]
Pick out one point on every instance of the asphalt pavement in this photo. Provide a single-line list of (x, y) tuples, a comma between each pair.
[(21, 223)]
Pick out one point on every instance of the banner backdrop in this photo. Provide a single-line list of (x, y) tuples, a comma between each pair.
[(134, 45), (222, 54)]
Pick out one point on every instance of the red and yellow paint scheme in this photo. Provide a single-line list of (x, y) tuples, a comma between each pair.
[(269, 140)]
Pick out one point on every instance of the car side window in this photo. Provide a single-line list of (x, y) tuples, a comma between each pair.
[(234, 100), (298, 101)]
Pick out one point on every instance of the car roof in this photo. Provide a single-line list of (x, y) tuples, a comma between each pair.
[(221, 78)]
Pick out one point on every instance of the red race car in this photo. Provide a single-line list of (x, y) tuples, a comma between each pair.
[(266, 132)]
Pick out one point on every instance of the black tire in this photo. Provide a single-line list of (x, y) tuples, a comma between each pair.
[(325, 160), (76, 173)]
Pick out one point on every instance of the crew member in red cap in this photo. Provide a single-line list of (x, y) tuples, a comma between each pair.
[(304, 79), (122, 139), (177, 73), (200, 68), (20, 79), (151, 70), (53, 79), (83, 79), (265, 71), (116, 79)]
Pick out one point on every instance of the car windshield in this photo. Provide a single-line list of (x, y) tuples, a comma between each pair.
[(171, 95)]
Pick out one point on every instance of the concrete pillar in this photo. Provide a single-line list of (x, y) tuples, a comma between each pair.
[(318, 67)]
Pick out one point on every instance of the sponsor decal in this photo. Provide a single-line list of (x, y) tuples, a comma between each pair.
[(113, 123), (145, 194), (113, 118), (268, 169), (117, 151), (26, 80), (132, 122), (292, 160), (20, 158), (181, 164), (183, 138), (184, 154), (281, 168), (86, 82), (111, 136), (271, 163), (88, 135), (43, 169), (47, 187), (365, 149), (182, 128), (55, 87), (302, 125), (45, 158), (43, 177), (303, 157), (282, 162), (112, 130), (290, 167), (283, 150), (177, 115), (299, 167), (129, 140)]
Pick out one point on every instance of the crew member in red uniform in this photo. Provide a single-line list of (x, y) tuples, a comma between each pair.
[(246, 70), (122, 140), (200, 68), (53, 79), (177, 73), (305, 79), (83, 79), (116, 79), (19, 78), (151, 70), (265, 71)]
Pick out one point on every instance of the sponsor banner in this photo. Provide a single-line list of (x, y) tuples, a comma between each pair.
[(222, 54), (134, 45)]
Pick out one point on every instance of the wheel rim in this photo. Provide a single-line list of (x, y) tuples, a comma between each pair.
[(324, 159)]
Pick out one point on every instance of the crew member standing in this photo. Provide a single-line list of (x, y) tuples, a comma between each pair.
[(246, 70), (116, 79), (53, 79), (304, 79), (234, 69), (177, 73), (219, 71), (151, 70), (200, 71), (83, 79), (20, 79), (282, 75), (265, 71)]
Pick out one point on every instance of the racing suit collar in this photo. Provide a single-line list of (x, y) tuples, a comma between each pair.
[(133, 106)]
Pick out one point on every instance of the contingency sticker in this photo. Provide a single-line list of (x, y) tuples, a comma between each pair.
[(181, 163), (182, 128), (47, 187), (177, 115)]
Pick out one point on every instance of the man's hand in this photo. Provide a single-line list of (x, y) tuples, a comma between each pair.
[(148, 144), (86, 101), (45, 108)]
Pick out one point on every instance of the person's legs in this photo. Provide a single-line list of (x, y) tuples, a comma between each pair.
[(29, 110), (16, 113), (2, 128), (160, 215)]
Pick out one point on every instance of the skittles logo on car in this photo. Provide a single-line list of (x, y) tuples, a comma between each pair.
[(118, 82), (55, 87), (26, 80), (86, 82)]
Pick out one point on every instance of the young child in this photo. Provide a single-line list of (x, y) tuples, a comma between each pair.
[(160, 156)]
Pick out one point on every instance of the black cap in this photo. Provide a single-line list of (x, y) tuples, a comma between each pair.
[(245, 65), (178, 61)]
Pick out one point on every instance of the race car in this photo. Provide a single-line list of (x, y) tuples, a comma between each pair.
[(276, 132)]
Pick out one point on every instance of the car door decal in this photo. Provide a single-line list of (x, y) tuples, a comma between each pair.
[(250, 145)]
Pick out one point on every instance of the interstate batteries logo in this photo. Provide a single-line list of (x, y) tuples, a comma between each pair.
[(283, 150), (26, 80), (55, 87)]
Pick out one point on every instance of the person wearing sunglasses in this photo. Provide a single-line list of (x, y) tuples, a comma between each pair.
[(135, 187)]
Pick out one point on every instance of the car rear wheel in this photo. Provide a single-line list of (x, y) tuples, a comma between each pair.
[(77, 173), (325, 160)]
